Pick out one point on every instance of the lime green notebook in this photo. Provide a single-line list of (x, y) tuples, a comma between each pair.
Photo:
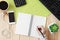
[(33, 7)]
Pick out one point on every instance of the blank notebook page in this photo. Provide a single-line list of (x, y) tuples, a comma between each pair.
[(23, 23), (37, 21)]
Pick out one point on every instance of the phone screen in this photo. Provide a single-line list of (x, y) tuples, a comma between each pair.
[(11, 17)]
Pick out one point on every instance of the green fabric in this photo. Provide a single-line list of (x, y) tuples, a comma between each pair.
[(32, 7)]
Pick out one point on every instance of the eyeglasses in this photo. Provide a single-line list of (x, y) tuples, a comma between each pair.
[(6, 33)]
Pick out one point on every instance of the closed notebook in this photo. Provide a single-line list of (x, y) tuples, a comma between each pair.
[(27, 24)]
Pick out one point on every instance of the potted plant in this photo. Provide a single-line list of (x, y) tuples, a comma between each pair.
[(53, 27)]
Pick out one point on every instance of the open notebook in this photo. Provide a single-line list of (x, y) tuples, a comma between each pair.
[(27, 24)]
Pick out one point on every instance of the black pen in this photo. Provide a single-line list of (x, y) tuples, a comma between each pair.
[(40, 30), (42, 34)]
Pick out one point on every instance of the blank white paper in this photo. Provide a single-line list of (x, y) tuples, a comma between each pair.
[(23, 24), (37, 20)]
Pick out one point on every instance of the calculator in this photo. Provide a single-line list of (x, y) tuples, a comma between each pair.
[(19, 3), (53, 6)]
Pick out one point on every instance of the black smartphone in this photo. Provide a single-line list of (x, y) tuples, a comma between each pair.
[(11, 17), (53, 6)]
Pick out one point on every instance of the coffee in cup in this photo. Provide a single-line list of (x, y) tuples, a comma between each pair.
[(3, 5)]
